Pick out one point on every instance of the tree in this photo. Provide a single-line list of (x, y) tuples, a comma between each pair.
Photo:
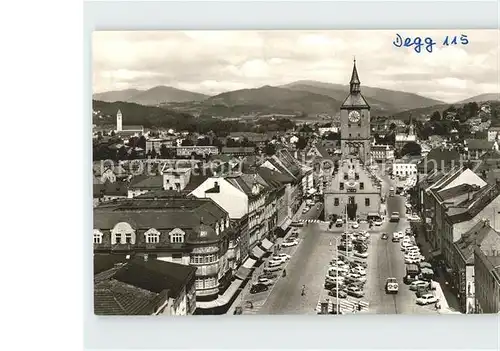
[(187, 142), (436, 116), (270, 149), (301, 143), (141, 142), (412, 149)]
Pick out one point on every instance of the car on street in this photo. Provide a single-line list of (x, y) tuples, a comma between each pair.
[(418, 283), (408, 231), (355, 291), (355, 225), (305, 210), (361, 254), (378, 222), (268, 275), (413, 218), (289, 243), (297, 224), (339, 223), (396, 237), (265, 281), (334, 280), (274, 263), (282, 256), (343, 247), (427, 299), (384, 236), (341, 293), (309, 202), (422, 290), (394, 217), (358, 270), (353, 277), (257, 288), (409, 260), (332, 271), (391, 286), (272, 269), (412, 249)]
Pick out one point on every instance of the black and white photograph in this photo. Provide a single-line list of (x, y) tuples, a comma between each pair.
[(296, 172)]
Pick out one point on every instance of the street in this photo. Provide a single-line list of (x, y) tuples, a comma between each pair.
[(386, 260)]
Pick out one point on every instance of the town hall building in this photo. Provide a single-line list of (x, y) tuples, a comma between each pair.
[(352, 191)]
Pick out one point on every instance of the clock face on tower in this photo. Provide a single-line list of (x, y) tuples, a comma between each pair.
[(354, 116)]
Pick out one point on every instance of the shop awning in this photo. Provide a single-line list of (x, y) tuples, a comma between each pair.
[(266, 244), (286, 223), (257, 252), (223, 299), (249, 263), (243, 272), (311, 191)]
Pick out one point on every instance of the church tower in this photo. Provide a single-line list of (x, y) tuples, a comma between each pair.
[(119, 121), (355, 134)]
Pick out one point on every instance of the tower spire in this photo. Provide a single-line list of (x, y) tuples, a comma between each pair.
[(354, 79)]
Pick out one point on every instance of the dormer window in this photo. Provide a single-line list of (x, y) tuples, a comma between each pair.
[(97, 237), (217, 228), (122, 233), (152, 236), (177, 236)]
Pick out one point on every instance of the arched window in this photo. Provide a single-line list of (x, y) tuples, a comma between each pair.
[(97, 237), (122, 233), (177, 236), (152, 236)]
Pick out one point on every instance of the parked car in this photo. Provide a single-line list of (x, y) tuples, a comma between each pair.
[(281, 256), (274, 263), (341, 293), (361, 254), (384, 236), (268, 275), (265, 281), (288, 243), (257, 288), (418, 283), (353, 277), (422, 290), (355, 291), (391, 286), (272, 269), (395, 217), (427, 299), (358, 270), (339, 223), (355, 225)]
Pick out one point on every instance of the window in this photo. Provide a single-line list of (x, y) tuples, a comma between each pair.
[(361, 186), (349, 125), (128, 238), (341, 185), (118, 238), (356, 176), (198, 283), (203, 259), (345, 176), (350, 135), (167, 181), (336, 201), (152, 236), (367, 201), (177, 236), (97, 237), (351, 200)]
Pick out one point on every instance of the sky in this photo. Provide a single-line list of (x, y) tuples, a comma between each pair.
[(212, 62)]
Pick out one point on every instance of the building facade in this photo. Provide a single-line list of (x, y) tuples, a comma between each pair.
[(487, 277), (382, 153), (352, 189)]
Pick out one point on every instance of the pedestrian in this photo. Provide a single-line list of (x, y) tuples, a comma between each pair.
[(359, 306)]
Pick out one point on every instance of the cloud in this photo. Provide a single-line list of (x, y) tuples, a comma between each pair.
[(216, 61)]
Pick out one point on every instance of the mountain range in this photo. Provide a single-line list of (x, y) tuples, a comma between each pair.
[(300, 97)]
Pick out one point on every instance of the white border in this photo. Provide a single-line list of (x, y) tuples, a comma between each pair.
[(455, 332)]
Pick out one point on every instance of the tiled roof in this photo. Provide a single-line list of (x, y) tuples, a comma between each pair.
[(440, 158), (115, 298), (472, 237), (355, 100), (478, 203), (273, 177)]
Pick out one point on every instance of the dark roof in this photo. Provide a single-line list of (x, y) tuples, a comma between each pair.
[(355, 100), (132, 128), (118, 188), (479, 144), (160, 194), (155, 275), (183, 213), (470, 207), (440, 158), (104, 262), (237, 150), (147, 182), (274, 178)]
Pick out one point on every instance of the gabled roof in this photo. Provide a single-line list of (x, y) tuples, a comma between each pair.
[(471, 206), (355, 100), (273, 178), (472, 237)]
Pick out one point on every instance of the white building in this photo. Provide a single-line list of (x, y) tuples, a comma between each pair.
[(493, 132), (406, 166), (382, 153)]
